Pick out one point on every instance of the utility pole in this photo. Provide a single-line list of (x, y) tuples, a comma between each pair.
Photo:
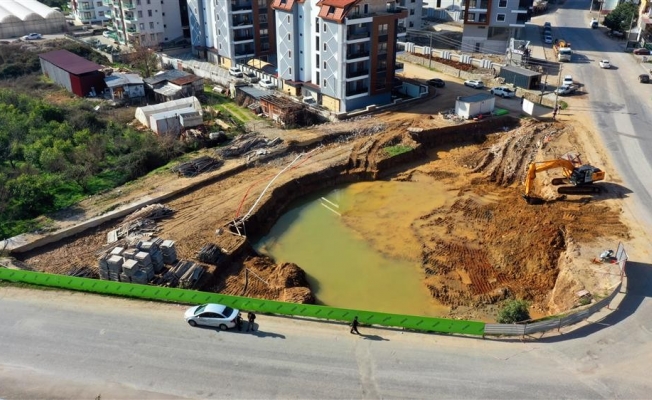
[(430, 52), (554, 113)]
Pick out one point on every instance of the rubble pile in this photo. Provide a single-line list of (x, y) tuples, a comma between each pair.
[(246, 143), (140, 222), (197, 166), (210, 254)]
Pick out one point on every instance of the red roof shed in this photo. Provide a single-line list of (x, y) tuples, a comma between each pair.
[(77, 74)]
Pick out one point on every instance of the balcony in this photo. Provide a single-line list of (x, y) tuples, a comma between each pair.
[(130, 17), (398, 67), (241, 6), (356, 92), (132, 29), (244, 37), (107, 3), (128, 5), (357, 73), (356, 35), (244, 51), (86, 7), (239, 22), (353, 54)]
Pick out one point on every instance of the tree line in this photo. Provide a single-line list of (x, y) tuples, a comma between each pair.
[(53, 156)]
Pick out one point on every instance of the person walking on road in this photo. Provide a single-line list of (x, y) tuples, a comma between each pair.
[(354, 326), (251, 317)]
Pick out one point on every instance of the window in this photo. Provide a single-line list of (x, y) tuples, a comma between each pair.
[(149, 1), (500, 17), (288, 19), (264, 32), (438, 3), (151, 25), (290, 54), (290, 71), (324, 46), (324, 27), (219, 32), (142, 26), (502, 3), (325, 67), (149, 13), (470, 17), (412, 11), (317, 43), (164, 14), (317, 59), (100, 13), (324, 82), (99, 4), (317, 77), (152, 37), (289, 37), (317, 25), (140, 14), (331, 10)]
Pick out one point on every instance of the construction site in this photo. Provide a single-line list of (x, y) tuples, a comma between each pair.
[(488, 245)]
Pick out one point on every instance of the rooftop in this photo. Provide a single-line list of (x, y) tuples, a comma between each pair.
[(476, 97), (520, 71), (118, 79), (168, 75), (70, 62)]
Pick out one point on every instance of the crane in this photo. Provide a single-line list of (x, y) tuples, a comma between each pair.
[(581, 177)]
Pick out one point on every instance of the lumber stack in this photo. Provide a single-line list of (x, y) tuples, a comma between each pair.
[(210, 254), (197, 166), (184, 274)]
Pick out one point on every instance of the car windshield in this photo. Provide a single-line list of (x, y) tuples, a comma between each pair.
[(200, 309)]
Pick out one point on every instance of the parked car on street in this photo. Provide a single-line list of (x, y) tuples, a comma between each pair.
[(642, 51), (568, 80), (566, 90), (267, 84), (212, 314), (235, 71), (547, 39), (503, 92), (32, 36), (251, 77), (436, 82), (644, 78), (605, 64), (474, 83)]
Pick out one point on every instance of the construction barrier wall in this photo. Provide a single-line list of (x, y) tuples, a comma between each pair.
[(427, 324)]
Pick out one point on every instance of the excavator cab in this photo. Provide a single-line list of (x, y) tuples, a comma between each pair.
[(580, 177), (585, 174)]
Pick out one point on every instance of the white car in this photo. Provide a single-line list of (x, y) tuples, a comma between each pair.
[(605, 64), (235, 71), (547, 39), (212, 314), (568, 81), (566, 89), (267, 84), (503, 92), (32, 36), (107, 34), (474, 83)]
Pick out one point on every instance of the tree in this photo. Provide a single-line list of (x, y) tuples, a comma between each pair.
[(621, 18), (514, 311), (144, 59)]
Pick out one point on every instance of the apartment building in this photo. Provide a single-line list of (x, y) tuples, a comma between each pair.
[(414, 9), (232, 32), (91, 11), (148, 22), (342, 53), (490, 24)]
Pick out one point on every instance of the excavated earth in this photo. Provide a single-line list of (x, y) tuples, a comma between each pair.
[(489, 245)]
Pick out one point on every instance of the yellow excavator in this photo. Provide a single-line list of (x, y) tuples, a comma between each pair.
[(581, 177)]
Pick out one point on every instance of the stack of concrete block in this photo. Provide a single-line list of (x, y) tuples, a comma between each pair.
[(169, 252), (129, 268), (145, 264), (114, 267), (140, 276), (153, 248), (104, 267), (130, 254)]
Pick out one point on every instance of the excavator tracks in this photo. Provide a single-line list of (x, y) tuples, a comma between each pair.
[(582, 189)]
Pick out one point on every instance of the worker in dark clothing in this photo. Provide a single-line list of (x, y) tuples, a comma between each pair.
[(354, 326), (238, 322), (251, 317)]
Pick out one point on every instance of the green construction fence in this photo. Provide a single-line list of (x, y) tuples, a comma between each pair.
[(175, 295)]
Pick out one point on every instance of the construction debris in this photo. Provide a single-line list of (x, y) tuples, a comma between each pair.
[(185, 275), (245, 143), (83, 272), (197, 166), (139, 223), (152, 211), (209, 254)]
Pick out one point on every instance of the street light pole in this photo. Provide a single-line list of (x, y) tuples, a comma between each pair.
[(558, 86), (430, 52)]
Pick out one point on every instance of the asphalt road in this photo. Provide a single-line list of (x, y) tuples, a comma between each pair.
[(73, 345), (620, 106)]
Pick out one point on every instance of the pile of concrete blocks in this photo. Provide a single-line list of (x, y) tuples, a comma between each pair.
[(169, 252), (137, 264)]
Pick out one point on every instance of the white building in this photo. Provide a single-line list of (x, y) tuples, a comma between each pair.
[(147, 22), (20, 17), (91, 11), (342, 53)]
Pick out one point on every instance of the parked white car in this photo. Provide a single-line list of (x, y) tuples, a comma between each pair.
[(547, 39), (474, 83), (267, 84), (503, 92), (605, 64), (32, 36), (235, 71), (211, 314), (568, 80)]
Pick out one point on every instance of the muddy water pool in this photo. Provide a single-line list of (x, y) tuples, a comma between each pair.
[(357, 247)]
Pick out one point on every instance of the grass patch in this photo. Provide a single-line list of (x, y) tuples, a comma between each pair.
[(226, 106), (394, 151), (563, 105)]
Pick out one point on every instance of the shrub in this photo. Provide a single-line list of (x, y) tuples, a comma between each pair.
[(514, 311)]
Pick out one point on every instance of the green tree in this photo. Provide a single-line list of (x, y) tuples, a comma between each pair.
[(621, 17), (514, 311)]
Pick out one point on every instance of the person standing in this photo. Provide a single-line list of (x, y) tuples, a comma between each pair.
[(354, 326), (251, 317), (238, 322)]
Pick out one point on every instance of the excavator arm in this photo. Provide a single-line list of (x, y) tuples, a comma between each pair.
[(536, 167), (581, 177)]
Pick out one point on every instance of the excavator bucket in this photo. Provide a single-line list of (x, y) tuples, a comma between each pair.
[(532, 200)]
